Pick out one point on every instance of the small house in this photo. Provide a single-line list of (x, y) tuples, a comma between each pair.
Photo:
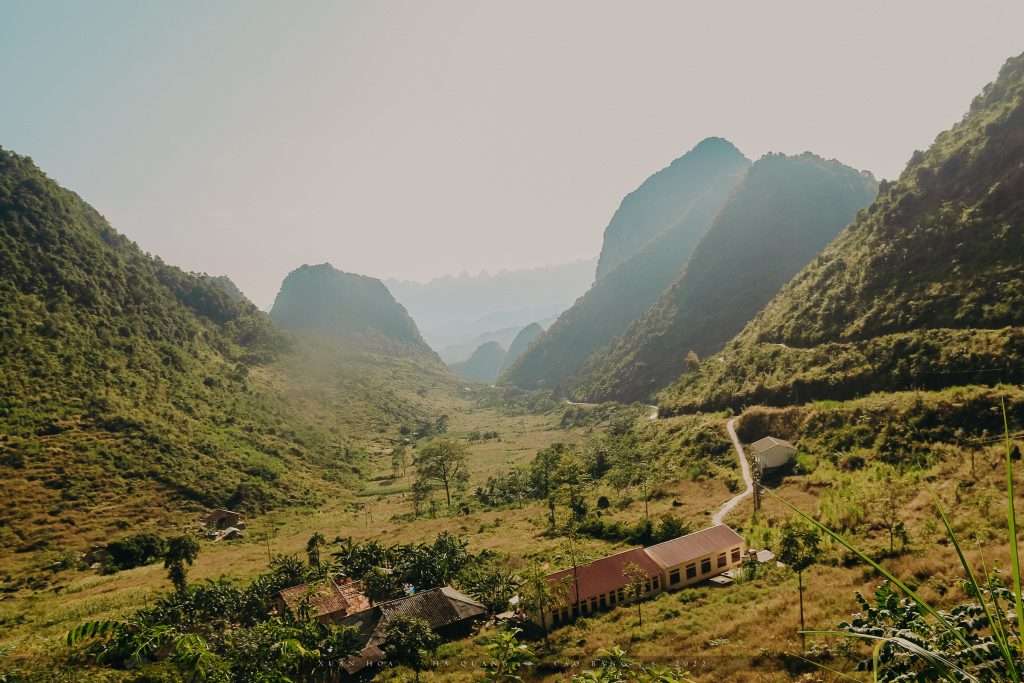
[(698, 556), (769, 453), (327, 601), (222, 519), (601, 585), (450, 613)]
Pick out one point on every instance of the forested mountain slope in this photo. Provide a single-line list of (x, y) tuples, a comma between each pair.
[(521, 343), (714, 168), (131, 390), (785, 211), (659, 203), (924, 289), (484, 365), (356, 309)]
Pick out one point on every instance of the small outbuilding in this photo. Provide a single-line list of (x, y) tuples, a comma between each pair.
[(327, 601), (769, 453), (222, 519)]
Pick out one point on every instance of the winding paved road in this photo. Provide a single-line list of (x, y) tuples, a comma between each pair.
[(730, 504)]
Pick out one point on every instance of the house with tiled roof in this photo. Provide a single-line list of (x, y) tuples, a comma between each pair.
[(449, 612), (602, 584), (698, 556), (328, 601), (597, 586)]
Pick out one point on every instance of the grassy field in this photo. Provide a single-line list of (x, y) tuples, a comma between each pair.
[(744, 632)]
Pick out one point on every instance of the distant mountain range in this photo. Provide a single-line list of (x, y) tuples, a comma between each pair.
[(455, 311), (670, 211), (490, 358), (924, 290), (782, 214), (456, 353)]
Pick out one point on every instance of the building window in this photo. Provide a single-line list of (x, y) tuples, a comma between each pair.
[(657, 582), (691, 571), (735, 554), (611, 598), (557, 618), (647, 586), (673, 577), (575, 611), (621, 595), (565, 614), (705, 565), (604, 601), (593, 604), (721, 560)]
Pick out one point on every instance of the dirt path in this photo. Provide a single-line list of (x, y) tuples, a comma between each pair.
[(730, 504)]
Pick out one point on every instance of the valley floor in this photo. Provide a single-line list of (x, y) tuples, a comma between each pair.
[(744, 632)]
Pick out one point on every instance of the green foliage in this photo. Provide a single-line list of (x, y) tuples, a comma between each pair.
[(180, 554), (442, 464), (409, 641), (507, 657), (136, 551), (615, 666), (923, 290), (422, 565), (219, 632)]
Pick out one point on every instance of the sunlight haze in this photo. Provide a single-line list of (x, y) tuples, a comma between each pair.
[(415, 139)]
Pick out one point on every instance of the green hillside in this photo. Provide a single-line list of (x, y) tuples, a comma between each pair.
[(925, 289), (621, 296), (785, 211), (521, 343), (354, 308), (659, 203), (484, 365), (131, 391)]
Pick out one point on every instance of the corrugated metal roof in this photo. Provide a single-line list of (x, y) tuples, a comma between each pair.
[(604, 575), (438, 607), (768, 442), (693, 546)]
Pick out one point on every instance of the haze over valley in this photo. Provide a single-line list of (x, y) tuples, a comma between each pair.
[(454, 342)]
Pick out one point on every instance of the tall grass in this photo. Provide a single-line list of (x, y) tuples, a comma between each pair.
[(1008, 642)]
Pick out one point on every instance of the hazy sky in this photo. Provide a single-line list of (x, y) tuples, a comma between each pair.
[(419, 138)]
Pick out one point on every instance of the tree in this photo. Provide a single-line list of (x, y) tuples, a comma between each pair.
[(540, 596), (380, 585), (544, 476), (637, 580), (409, 641), (891, 491), (799, 548), (443, 463), (507, 657), (399, 461), (313, 549), (181, 551), (637, 467)]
